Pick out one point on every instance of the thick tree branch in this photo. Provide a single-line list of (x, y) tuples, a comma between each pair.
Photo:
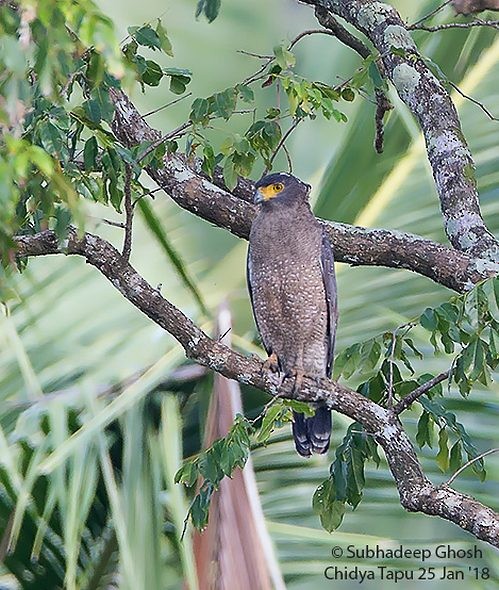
[(416, 492), (429, 101), (182, 180)]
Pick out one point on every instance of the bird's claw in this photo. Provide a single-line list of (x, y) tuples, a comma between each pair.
[(272, 363), (298, 375)]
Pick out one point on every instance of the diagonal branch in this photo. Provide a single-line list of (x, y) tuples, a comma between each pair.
[(210, 200), (416, 492), (429, 101), (444, 26), (410, 398)]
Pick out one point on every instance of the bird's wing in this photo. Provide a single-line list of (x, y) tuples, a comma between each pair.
[(250, 289), (328, 276)]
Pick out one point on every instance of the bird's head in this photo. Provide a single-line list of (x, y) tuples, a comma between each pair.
[(281, 187)]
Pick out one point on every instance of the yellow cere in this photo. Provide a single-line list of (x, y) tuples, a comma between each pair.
[(271, 190)]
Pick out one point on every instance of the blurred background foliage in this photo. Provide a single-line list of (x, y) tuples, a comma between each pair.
[(69, 337)]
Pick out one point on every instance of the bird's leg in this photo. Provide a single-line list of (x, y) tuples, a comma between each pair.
[(298, 375), (272, 363)]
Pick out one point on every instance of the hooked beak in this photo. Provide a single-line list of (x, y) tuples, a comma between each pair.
[(258, 197)]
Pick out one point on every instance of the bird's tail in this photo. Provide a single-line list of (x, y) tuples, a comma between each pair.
[(312, 434)]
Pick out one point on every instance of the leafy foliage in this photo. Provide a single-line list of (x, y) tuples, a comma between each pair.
[(210, 8), (212, 465), (347, 480), (463, 321), (57, 153)]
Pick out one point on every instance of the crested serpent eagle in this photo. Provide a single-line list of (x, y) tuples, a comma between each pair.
[(292, 286)]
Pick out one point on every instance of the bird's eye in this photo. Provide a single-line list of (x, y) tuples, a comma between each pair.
[(278, 186)]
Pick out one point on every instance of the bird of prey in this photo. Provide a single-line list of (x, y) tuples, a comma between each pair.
[(292, 286)]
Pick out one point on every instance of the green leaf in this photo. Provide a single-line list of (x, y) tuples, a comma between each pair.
[(199, 111), (455, 459), (63, 219), (179, 79), (52, 138), (153, 73), (348, 94), (429, 320), (90, 152), (377, 79), (245, 92), (301, 407), (12, 55), (41, 160), (443, 450), (210, 8), (412, 346), (101, 97), (273, 113), (147, 37), (209, 162), (229, 172), (166, 46), (273, 415), (425, 430), (200, 507), (478, 359), (355, 471), (324, 503), (225, 103), (92, 111), (284, 58)]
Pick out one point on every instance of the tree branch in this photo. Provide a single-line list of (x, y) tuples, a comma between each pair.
[(210, 200), (419, 391), (444, 26), (416, 492), (383, 104), (429, 101), (127, 241)]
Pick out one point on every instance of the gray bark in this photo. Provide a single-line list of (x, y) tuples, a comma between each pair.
[(448, 153)]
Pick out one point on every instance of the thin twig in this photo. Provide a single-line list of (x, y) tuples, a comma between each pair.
[(176, 132), (284, 138), (257, 55), (258, 74), (288, 158), (468, 463), (383, 105), (70, 80), (391, 362), (127, 242), (430, 14), (181, 130), (310, 32), (419, 391), (445, 26), (151, 192), (473, 100), (113, 223), (168, 104), (148, 23), (342, 34)]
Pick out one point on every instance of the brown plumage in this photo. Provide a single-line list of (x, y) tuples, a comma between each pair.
[(293, 293)]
